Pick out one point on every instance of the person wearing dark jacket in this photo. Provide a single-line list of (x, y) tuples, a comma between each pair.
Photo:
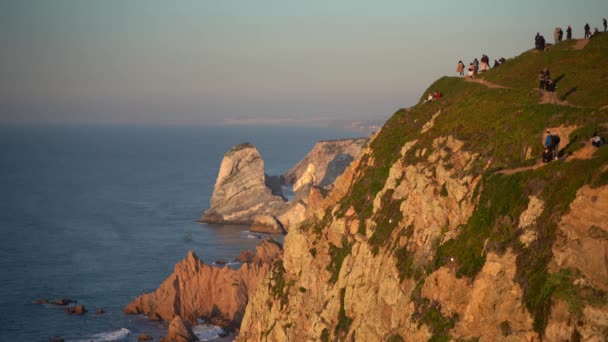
[(569, 32), (605, 24), (587, 31)]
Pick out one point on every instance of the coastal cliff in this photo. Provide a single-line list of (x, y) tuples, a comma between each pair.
[(448, 226), (324, 163)]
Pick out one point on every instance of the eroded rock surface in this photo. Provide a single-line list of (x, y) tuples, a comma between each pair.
[(241, 192), (329, 159), (179, 331), (197, 290)]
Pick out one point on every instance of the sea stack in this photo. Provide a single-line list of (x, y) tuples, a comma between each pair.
[(241, 193)]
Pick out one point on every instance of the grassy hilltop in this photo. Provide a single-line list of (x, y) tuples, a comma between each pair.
[(505, 125)]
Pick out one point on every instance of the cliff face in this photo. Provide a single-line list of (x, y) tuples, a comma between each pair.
[(240, 193), (197, 290), (447, 227), (325, 162)]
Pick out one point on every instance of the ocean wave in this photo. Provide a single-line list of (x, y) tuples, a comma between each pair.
[(207, 332), (117, 335)]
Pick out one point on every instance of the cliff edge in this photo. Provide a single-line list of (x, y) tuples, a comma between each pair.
[(449, 227)]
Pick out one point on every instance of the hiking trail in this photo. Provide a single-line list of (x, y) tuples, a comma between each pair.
[(546, 99), (586, 152), (486, 83), (580, 44)]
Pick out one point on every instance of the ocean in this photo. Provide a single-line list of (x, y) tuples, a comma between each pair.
[(101, 214)]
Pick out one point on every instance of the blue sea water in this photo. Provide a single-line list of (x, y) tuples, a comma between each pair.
[(101, 214)]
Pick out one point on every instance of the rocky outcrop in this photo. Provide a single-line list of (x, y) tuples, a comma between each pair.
[(327, 160), (197, 290), (241, 192), (179, 331), (267, 224)]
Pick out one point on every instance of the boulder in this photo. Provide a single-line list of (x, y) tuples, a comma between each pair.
[(245, 256), (76, 310), (179, 331), (266, 224), (196, 290), (144, 337), (241, 192), (63, 302)]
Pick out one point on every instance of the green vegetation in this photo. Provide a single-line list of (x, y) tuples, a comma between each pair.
[(395, 338), (325, 335), (429, 314), (584, 71), (387, 218), (501, 197), (343, 321), (338, 254), (279, 286), (444, 190)]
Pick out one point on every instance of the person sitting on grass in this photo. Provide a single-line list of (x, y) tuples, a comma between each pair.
[(429, 98)]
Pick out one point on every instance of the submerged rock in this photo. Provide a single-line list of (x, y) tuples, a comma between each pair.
[(76, 310), (144, 337)]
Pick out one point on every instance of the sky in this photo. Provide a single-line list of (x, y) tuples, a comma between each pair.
[(203, 61)]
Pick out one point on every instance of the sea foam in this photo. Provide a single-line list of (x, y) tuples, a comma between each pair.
[(117, 335)]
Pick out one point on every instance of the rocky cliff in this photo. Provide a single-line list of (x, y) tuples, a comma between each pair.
[(325, 162), (241, 193), (197, 290), (448, 227)]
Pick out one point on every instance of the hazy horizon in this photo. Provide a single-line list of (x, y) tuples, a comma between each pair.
[(195, 62)]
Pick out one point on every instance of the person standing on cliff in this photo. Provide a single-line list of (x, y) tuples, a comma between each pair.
[(587, 31), (569, 33), (460, 68), (541, 84), (605, 24)]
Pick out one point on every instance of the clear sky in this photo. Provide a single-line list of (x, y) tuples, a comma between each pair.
[(203, 61)]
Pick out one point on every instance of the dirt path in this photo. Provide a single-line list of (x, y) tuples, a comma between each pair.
[(545, 98), (580, 44), (486, 83), (521, 169), (586, 152)]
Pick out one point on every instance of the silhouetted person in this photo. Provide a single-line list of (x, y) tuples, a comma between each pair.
[(569, 32), (537, 41), (550, 86), (605, 24), (495, 64), (475, 66), (541, 43), (557, 35), (460, 68), (587, 31), (541, 83)]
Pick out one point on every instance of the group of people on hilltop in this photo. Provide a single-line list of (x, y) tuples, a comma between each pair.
[(546, 84), (476, 66), (558, 33)]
